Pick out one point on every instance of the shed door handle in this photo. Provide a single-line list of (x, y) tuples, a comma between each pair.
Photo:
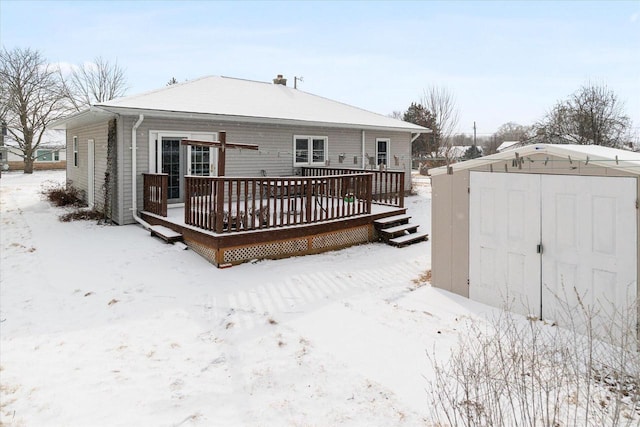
[(539, 248)]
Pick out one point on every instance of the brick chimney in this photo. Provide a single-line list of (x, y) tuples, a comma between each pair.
[(280, 80)]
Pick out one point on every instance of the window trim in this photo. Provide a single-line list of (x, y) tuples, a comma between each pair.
[(310, 139), (155, 150), (40, 153), (75, 151), (387, 152)]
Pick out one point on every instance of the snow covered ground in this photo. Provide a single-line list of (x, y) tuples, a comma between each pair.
[(106, 326)]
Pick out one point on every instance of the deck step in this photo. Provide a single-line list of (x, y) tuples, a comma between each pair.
[(408, 239), (391, 221), (398, 230), (165, 233)]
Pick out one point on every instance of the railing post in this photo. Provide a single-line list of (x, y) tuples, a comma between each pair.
[(369, 180), (401, 201), (146, 192), (164, 186), (219, 205), (308, 194), (188, 217)]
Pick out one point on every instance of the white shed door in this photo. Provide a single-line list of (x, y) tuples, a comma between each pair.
[(588, 230), (589, 235), (504, 233)]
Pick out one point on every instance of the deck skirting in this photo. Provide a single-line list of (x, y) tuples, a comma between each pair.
[(291, 247)]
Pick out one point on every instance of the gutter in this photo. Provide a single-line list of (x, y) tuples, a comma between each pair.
[(134, 173), (223, 118)]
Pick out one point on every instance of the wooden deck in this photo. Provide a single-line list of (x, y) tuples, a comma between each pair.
[(232, 220), (236, 247)]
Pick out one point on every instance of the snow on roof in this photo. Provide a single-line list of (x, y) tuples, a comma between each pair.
[(623, 160), (225, 96), (507, 144), (458, 151)]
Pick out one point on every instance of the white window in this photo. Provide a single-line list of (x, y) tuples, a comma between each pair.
[(47, 156), (75, 151), (309, 150), (382, 151)]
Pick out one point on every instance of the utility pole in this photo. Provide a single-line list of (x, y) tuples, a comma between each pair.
[(474, 133), (295, 81)]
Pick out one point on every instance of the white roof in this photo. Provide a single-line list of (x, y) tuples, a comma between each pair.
[(237, 99), (623, 160), (506, 145), (458, 151)]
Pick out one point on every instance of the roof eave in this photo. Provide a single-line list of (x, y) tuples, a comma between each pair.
[(559, 150), (91, 114), (260, 120)]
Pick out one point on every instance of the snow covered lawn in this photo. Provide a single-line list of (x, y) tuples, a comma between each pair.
[(106, 326)]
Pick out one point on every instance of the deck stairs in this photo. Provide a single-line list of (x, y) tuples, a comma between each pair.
[(398, 231), (165, 233)]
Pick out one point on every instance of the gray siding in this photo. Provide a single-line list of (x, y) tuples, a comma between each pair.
[(78, 175), (274, 157)]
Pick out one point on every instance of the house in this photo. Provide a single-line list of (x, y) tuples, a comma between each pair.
[(279, 132), (509, 145), (526, 226), (51, 154), (457, 152)]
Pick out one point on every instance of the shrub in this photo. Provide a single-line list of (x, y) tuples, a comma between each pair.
[(62, 195), (516, 371), (82, 215)]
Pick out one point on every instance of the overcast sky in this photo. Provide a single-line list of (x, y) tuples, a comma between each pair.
[(504, 61)]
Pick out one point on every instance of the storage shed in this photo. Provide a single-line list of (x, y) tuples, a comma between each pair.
[(527, 225)]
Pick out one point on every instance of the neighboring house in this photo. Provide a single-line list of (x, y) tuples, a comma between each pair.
[(457, 152), (295, 131), (509, 145), (51, 154), (521, 228)]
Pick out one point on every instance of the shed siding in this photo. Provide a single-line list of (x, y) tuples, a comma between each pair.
[(275, 154), (450, 243), (450, 213)]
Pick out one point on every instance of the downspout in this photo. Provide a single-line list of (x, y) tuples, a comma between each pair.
[(364, 164), (134, 173)]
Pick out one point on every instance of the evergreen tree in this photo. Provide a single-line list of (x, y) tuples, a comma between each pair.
[(419, 115), (472, 152)]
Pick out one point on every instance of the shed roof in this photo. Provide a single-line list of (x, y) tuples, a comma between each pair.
[(226, 98), (614, 158)]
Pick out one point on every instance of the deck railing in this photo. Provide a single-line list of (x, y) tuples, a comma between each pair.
[(387, 186), (226, 204), (155, 193)]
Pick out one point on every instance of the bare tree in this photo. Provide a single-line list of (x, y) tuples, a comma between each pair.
[(441, 102), (93, 83), (30, 99), (512, 131), (591, 115), (172, 81)]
